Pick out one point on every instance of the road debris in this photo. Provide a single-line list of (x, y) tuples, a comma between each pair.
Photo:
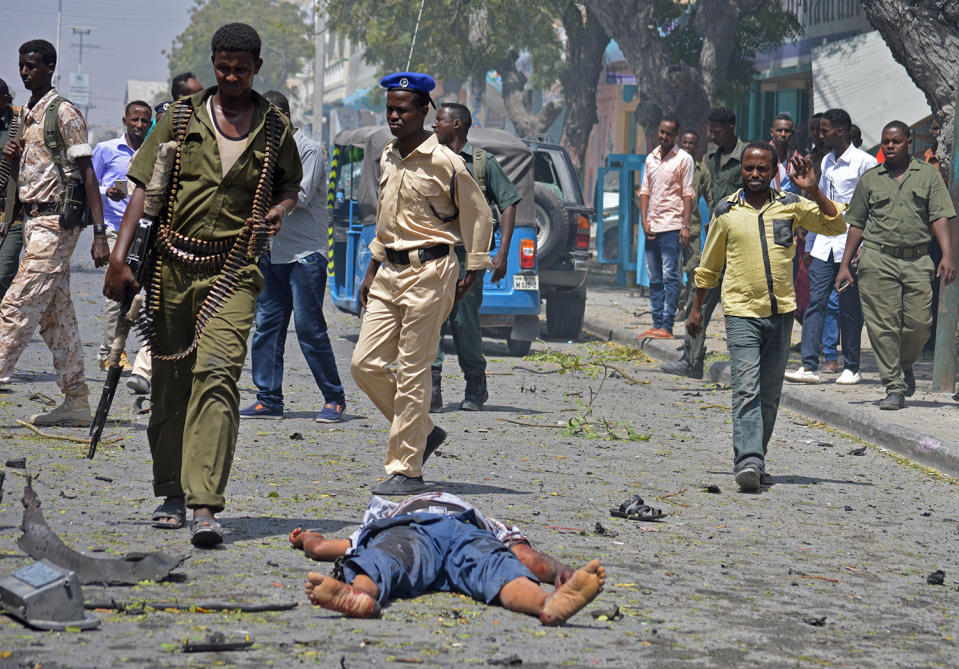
[(40, 542), (815, 622), (218, 641), (937, 577)]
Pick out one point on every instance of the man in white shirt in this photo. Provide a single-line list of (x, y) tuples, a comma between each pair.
[(841, 169)]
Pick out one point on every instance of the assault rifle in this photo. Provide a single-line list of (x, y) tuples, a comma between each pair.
[(140, 259)]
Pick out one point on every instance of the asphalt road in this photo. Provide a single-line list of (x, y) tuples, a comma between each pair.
[(826, 567)]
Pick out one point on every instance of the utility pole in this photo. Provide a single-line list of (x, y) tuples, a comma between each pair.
[(319, 70), (56, 80), (83, 31)]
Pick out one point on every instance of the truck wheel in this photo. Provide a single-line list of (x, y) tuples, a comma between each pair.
[(551, 221), (518, 347), (564, 314)]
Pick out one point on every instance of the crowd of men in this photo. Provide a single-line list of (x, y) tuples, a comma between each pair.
[(241, 239), (869, 237), (236, 198)]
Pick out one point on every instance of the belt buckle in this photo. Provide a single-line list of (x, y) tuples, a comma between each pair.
[(421, 254)]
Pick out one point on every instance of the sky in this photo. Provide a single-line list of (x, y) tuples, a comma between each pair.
[(130, 34)]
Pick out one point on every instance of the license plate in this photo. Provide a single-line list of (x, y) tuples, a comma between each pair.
[(524, 282)]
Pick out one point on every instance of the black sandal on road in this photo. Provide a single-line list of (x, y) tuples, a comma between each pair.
[(635, 508), (169, 516), (205, 532)]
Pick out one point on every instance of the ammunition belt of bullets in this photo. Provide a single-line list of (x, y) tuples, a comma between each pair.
[(226, 258)]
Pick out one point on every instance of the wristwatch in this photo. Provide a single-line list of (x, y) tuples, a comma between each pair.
[(99, 229)]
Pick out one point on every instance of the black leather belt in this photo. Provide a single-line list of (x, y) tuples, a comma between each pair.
[(901, 252), (40, 208), (425, 254)]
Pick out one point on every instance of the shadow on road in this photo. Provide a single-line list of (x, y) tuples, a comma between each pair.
[(459, 488), (242, 528)]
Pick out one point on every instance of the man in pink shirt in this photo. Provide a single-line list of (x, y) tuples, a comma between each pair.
[(665, 203)]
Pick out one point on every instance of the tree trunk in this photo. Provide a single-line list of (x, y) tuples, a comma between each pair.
[(923, 36), (665, 86), (514, 99), (587, 43)]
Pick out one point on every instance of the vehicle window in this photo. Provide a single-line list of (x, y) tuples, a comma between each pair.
[(351, 163), (544, 170)]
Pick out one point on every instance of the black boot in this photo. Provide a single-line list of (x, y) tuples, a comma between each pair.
[(685, 366), (475, 395), (436, 399)]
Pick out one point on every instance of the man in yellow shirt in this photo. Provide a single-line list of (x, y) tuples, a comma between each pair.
[(751, 234), (428, 202)]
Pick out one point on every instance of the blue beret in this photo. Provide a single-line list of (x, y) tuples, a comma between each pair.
[(408, 81)]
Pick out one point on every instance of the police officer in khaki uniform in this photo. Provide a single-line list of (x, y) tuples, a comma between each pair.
[(428, 202), (895, 210)]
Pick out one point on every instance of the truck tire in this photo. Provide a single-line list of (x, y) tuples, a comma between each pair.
[(551, 221), (518, 347), (564, 314)]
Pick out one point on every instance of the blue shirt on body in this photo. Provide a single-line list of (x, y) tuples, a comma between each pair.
[(111, 161)]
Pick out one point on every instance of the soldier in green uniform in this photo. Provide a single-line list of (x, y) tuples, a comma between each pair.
[(452, 122), (702, 187), (895, 210), (725, 176), (195, 401)]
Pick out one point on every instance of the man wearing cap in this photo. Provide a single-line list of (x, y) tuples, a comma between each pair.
[(428, 202)]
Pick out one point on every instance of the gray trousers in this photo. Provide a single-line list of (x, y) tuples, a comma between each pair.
[(758, 352)]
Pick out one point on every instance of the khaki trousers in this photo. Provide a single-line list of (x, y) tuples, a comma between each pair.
[(406, 308), (896, 298), (194, 402), (40, 296)]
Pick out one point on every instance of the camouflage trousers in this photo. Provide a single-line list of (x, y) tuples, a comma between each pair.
[(40, 296)]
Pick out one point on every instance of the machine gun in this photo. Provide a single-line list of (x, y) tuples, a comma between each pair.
[(6, 167), (140, 259)]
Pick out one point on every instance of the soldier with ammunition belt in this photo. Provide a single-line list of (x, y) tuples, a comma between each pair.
[(236, 175)]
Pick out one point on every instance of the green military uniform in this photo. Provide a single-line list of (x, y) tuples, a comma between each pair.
[(464, 318), (10, 252), (726, 177), (702, 186), (895, 270), (195, 402)]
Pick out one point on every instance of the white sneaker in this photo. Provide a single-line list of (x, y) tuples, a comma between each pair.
[(849, 378), (803, 375)]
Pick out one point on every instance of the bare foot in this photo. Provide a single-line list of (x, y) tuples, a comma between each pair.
[(335, 595), (576, 593), (299, 537)]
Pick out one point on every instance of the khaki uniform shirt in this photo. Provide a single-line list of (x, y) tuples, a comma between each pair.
[(725, 171), (899, 213), (210, 205), (39, 180), (757, 250), (702, 187), (415, 191)]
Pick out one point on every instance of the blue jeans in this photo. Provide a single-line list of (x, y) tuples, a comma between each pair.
[(822, 277), (758, 351), (416, 553), (293, 288), (830, 328), (663, 254)]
